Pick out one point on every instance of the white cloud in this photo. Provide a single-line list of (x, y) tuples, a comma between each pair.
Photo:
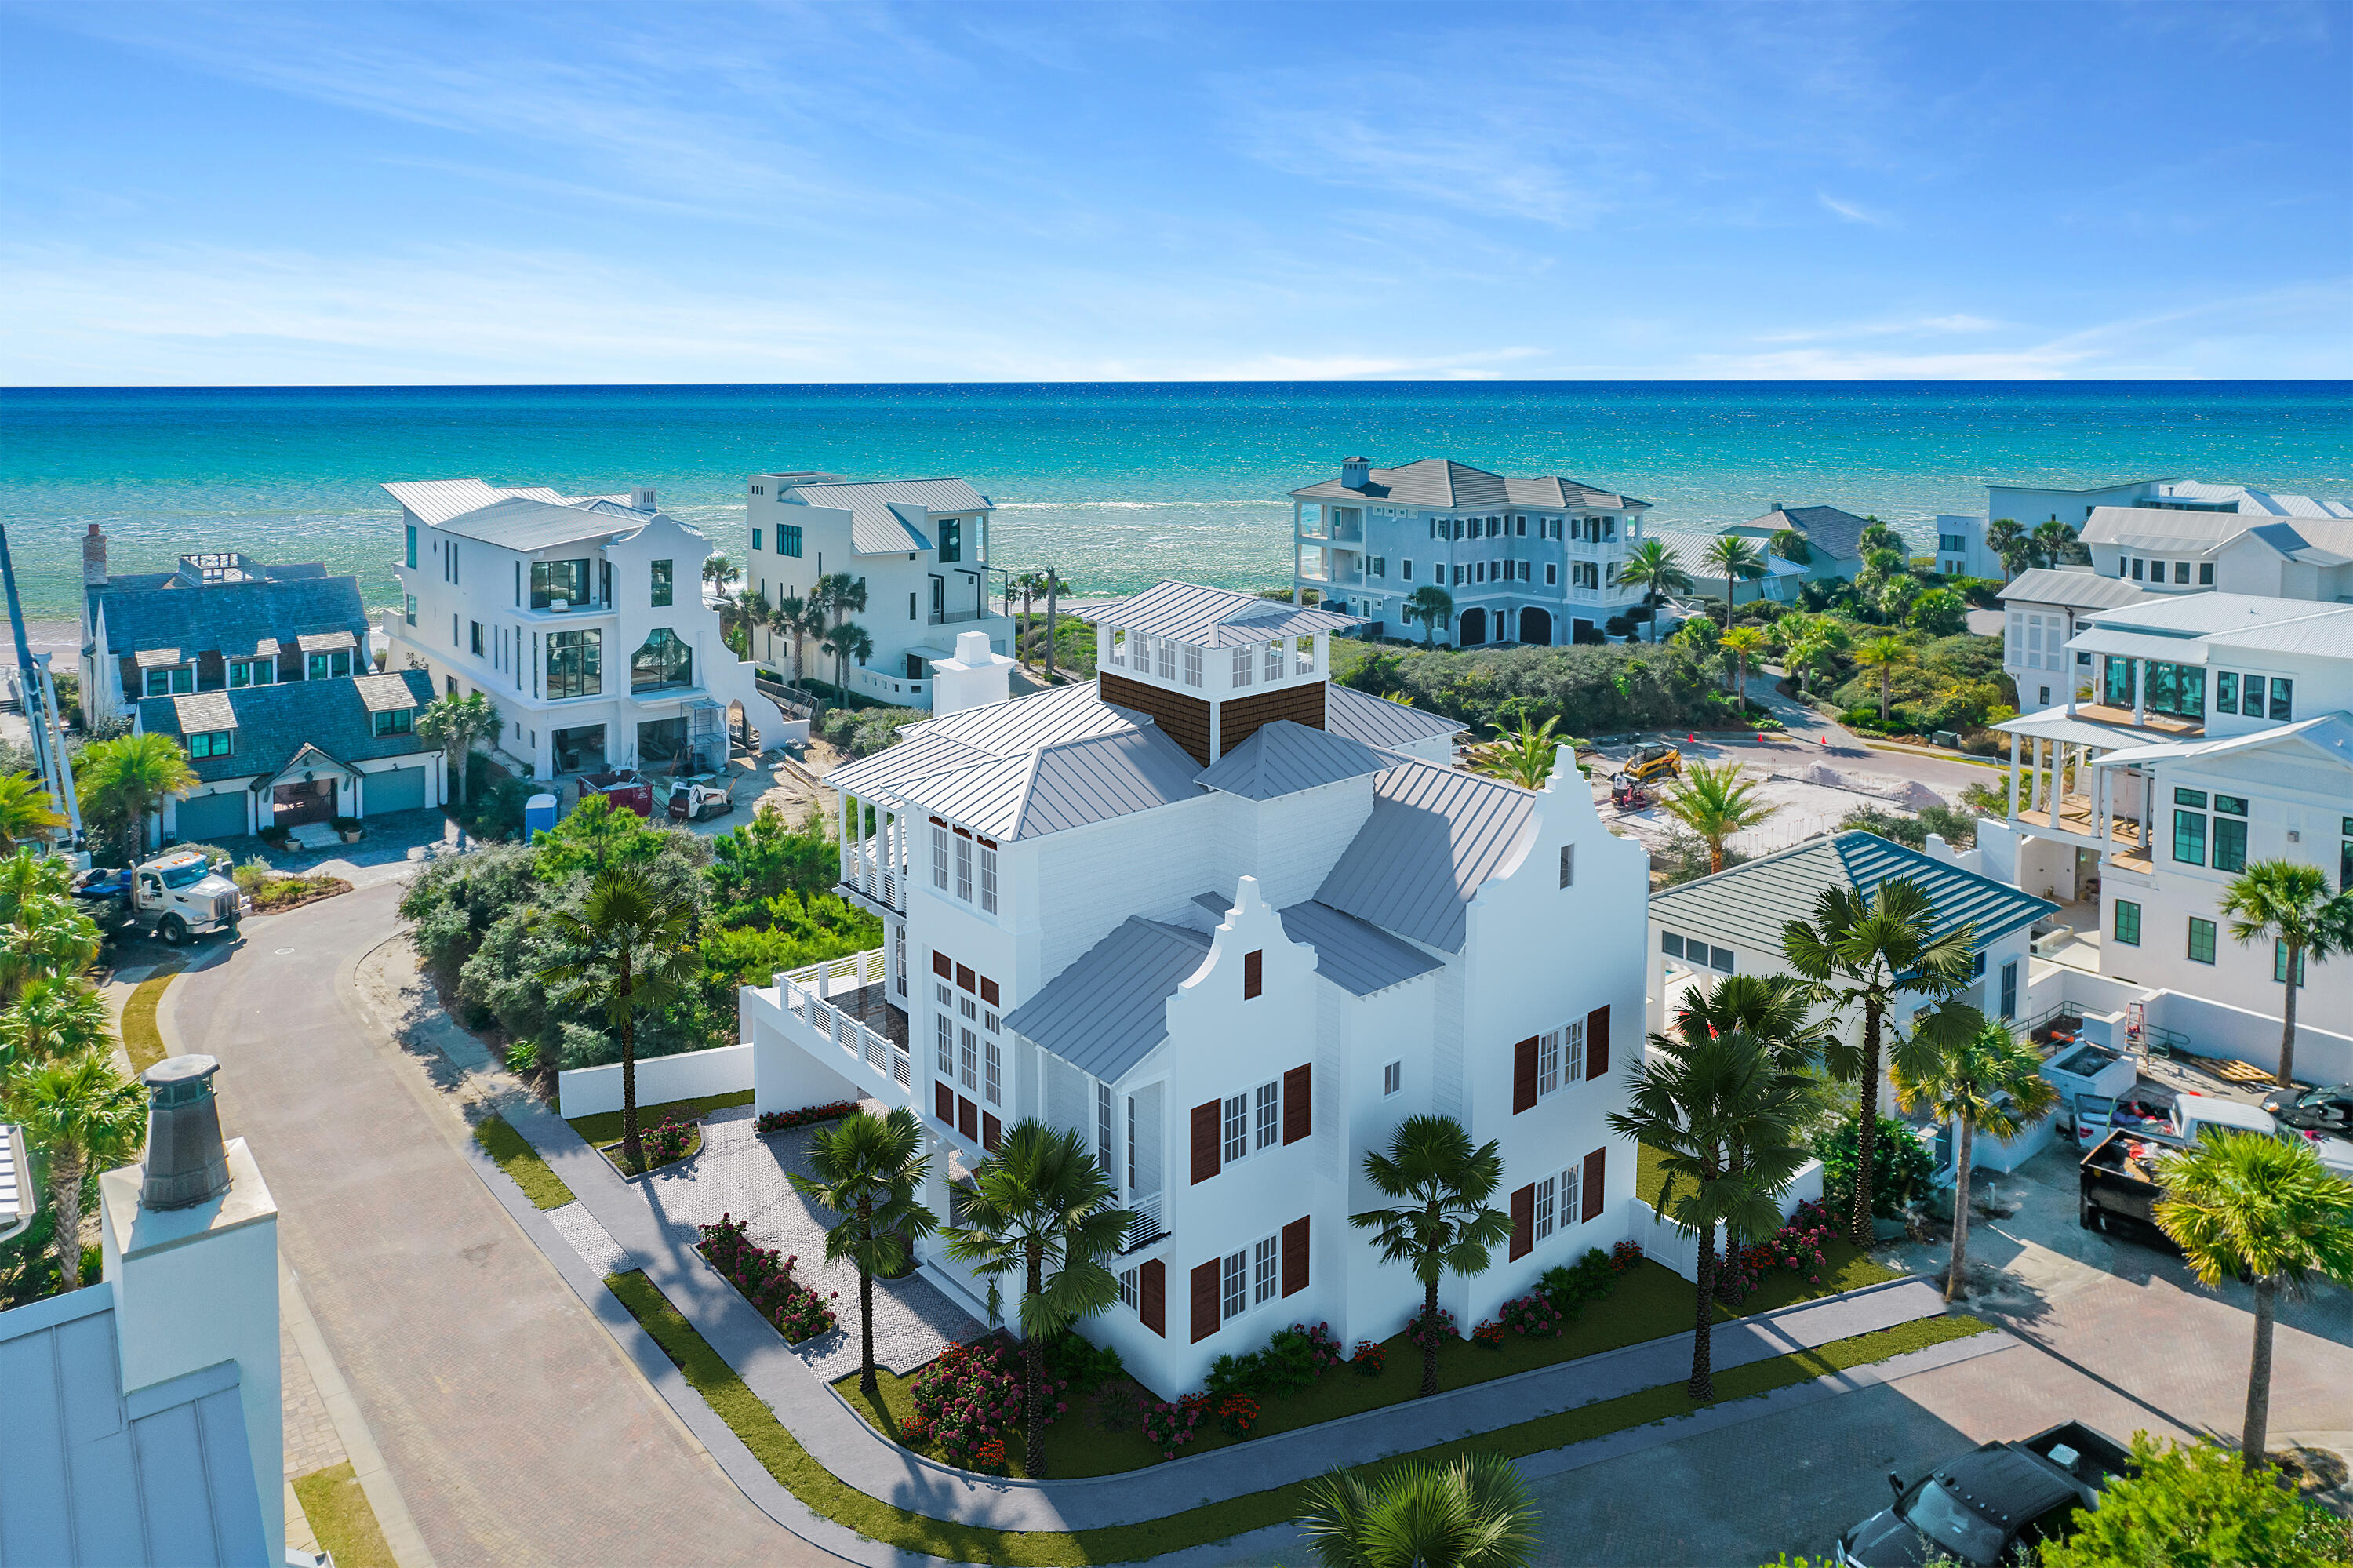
[(1851, 213)]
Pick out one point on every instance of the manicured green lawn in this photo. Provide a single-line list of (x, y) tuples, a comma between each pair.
[(516, 1157), (606, 1126), (341, 1518), (783, 1456)]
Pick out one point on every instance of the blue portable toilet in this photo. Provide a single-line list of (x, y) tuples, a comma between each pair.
[(538, 812)]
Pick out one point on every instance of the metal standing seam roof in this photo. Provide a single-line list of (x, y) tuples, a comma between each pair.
[(2252, 501), (90, 1478), (1024, 724), (521, 523), (2074, 729), (2139, 645), (436, 500), (1221, 618), (1434, 837), (2075, 590), (2323, 543), (1377, 721), (1442, 484), (2216, 615), (895, 766), (1109, 1007), (2331, 735), (1066, 785), (2329, 634), (1354, 955), (1283, 758), (875, 528), (1749, 904), (274, 723)]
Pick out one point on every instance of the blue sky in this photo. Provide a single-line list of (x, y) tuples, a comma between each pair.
[(363, 194)]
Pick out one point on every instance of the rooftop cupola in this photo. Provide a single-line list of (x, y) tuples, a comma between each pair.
[(641, 497), (1211, 665), (1356, 472), (186, 1164)]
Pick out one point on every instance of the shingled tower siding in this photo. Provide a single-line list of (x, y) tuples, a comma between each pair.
[(1185, 720), (1238, 719)]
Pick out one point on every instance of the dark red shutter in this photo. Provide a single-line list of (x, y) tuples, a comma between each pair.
[(1524, 1222), (942, 1102), (1524, 1076), (941, 966), (1204, 1300), (967, 1117), (1294, 1255), (988, 1130), (1205, 1140), (989, 990), (1595, 1163), (1597, 1040), (1253, 972), (965, 977), (1298, 1117), (1151, 1296)]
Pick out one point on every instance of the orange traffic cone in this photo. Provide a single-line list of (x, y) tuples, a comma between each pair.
[(1824, 739)]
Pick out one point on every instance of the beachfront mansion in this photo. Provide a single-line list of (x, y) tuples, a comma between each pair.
[(1231, 924), (1524, 560)]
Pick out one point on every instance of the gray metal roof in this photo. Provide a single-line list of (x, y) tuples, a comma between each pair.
[(1283, 758), (889, 517), (436, 500), (2077, 590), (274, 723), (1833, 530), (1749, 904), (1066, 785), (1025, 723), (88, 1477), (1445, 485), (1376, 721), (521, 522), (1433, 839), (1106, 1010), (892, 769), (1221, 618), (1352, 954), (235, 620)]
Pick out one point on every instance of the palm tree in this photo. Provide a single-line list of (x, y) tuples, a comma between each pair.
[(1653, 567), (123, 781), (455, 724), (1040, 1207), (718, 571), (1716, 802), (1866, 951), (1527, 759), (1471, 1513), (1721, 1115), (849, 643), (1441, 1222), (1777, 1009), (1792, 546), (869, 1170), (2005, 538), (27, 810), (2051, 540), (54, 1016), (1740, 642), (2288, 903), (638, 956), (1430, 605), (741, 611), (1990, 1079), (83, 1113), (42, 930), (1736, 560), (1886, 655), (1032, 586), (2241, 1204)]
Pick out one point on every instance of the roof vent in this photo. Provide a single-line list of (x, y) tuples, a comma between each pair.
[(641, 497), (186, 1162), (1356, 472)]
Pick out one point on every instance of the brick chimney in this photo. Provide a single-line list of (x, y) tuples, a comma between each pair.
[(93, 558)]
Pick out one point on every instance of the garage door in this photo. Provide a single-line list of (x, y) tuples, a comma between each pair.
[(399, 790), (208, 818)]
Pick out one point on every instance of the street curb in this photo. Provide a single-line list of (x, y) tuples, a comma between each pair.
[(401, 1535)]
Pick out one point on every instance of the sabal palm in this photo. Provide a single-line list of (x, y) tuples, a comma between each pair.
[(1990, 1079), (1736, 560), (1864, 950), (1525, 759), (1778, 1009), (1430, 605), (2288, 903), (1886, 655), (121, 780), (42, 932), (27, 810), (2050, 540), (849, 644), (1654, 567), (2010, 540), (1742, 642), (1721, 1115), (1716, 802), (1440, 1222), (638, 957), (717, 570), (1472, 1513), (869, 1170), (1040, 1209), (84, 1115), (54, 1016), (455, 724), (2242, 1204)]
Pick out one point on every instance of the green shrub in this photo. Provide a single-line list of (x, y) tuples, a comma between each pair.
[(1901, 1166), (2198, 1505), (1286, 1365), (1570, 1285), (1086, 1366)]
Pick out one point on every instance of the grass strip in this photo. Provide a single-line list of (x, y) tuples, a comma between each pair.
[(799, 1472), (513, 1154), (141, 1040), (340, 1517), (605, 1127)]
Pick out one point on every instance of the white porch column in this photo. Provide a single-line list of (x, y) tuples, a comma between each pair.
[(2013, 774), (841, 807), (2140, 690)]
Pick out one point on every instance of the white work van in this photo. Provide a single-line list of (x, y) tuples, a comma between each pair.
[(2194, 1113)]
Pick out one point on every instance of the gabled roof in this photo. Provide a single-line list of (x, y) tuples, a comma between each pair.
[(436, 500), (2251, 501), (1283, 758), (2316, 542), (1691, 547), (899, 765), (1377, 721), (2329, 734), (1433, 839), (1066, 785), (523, 523), (889, 517), (1024, 724), (2160, 528), (2234, 621), (273, 724), (1106, 1010), (89, 1477), (1221, 618), (2075, 590), (202, 713), (1749, 904), (1354, 955), (1442, 484), (238, 621), (1833, 530)]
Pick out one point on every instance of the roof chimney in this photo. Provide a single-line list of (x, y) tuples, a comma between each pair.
[(1356, 472), (1780, 506), (93, 558), (186, 1162), (641, 497)]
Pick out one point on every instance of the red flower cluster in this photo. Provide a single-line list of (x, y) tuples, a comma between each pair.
[(666, 1140), (1533, 1316), (1490, 1334), (1625, 1256), (1369, 1357), (765, 1278), (1797, 1246), (1426, 1334), (785, 1121), (1237, 1414), (989, 1455), (1169, 1427), (972, 1397)]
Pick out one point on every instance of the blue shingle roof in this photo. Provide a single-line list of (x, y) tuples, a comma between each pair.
[(274, 723), (230, 619)]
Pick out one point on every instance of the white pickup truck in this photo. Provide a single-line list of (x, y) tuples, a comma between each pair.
[(179, 896), (2193, 1112)]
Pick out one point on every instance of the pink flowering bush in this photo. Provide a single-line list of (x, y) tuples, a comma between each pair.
[(1535, 1316), (1427, 1334), (972, 1396), (666, 1140), (765, 1278), (785, 1121), (1797, 1247), (1169, 1427)]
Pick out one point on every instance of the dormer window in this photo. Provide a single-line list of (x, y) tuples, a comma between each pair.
[(212, 743), (260, 672), (171, 682), (395, 721), (330, 666)]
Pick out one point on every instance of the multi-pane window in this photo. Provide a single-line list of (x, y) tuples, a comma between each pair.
[(1244, 666), (1131, 1288), (213, 743), (1546, 1190), (2009, 989), (395, 721), (1269, 1114), (335, 666), (2189, 827), (409, 610), (664, 659), (166, 683), (992, 1071), (967, 1058), (258, 672), (1392, 1077), (1103, 1129), (1234, 1298), (1192, 663), (1274, 661), (1168, 661), (2230, 833), (1560, 1057), (660, 586), (1306, 652), (989, 877), (1236, 1128), (575, 662), (1265, 1279), (939, 856), (1118, 645), (2202, 940), (788, 539), (553, 580), (964, 868), (2128, 922), (946, 1046)]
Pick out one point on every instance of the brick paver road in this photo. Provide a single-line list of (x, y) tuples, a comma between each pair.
[(517, 1432)]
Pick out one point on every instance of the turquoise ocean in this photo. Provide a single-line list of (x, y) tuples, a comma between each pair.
[(1115, 484)]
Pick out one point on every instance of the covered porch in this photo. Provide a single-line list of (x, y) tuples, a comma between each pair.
[(2059, 789)]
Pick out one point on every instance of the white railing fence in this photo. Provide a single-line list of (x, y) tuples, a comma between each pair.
[(803, 992)]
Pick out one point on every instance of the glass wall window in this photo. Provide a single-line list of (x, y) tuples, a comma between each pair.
[(661, 584), (2176, 689), (552, 581), (2230, 833), (2202, 940), (788, 539), (951, 540), (575, 663), (663, 660), (412, 547)]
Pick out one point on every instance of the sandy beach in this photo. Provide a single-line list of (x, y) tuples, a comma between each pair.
[(59, 639)]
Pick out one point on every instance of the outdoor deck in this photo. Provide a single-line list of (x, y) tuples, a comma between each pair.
[(870, 1005)]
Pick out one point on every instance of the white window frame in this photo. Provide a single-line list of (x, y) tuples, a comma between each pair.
[(1266, 1118), (1274, 660), (987, 879), (962, 869), (1118, 645), (1233, 1287), (946, 1045), (1392, 1078), (1266, 1273), (1234, 1128), (1103, 1141), (939, 857), (1192, 663), (992, 1071), (1545, 1223), (1244, 666), (1131, 1288), (1166, 663), (967, 1058)]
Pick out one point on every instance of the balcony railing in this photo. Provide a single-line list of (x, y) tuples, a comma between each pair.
[(1146, 1228), (805, 993), (956, 617)]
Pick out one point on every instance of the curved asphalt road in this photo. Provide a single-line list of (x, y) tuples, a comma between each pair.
[(517, 1431)]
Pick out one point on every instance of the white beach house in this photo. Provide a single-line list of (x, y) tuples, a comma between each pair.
[(2181, 522), (1232, 924), (582, 618)]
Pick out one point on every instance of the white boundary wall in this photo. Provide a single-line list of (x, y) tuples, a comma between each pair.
[(690, 1076), (1661, 1243)]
